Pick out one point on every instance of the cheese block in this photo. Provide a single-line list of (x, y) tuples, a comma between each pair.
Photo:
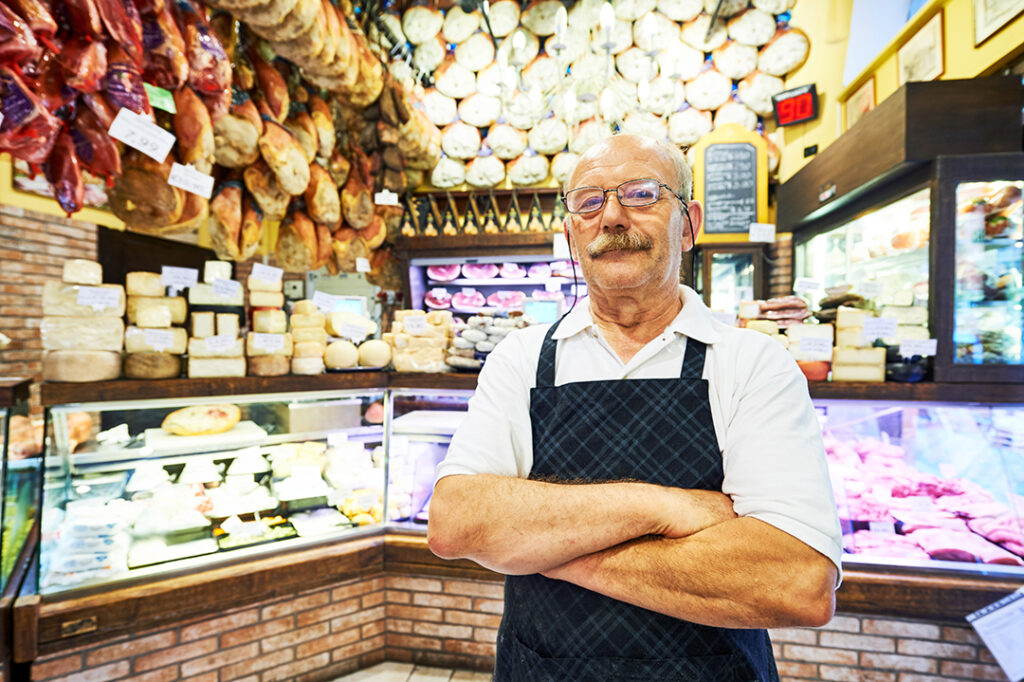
[(908, 332), (308, 366), (176, 304), (266, 299), (851, 317), (402, 340), (769, 327), (216, 269), (859, 356), (81, 365), (858, 372), (419, 360), (61, 299), (216, 367), (448, 173), (202, 325), (308, 349), (304, 307), (203, 294), (904, 297), (152, 365), (227, 324), (341, 355), (906, 314), (306, 334), (269, 365), (797, 332), (139, 340), (749, 310), (200, 348), (258, 343), (79, 271), (442, 318), (850, 337), (144, 284), (337, 320), (256, 284), (315, 319), (810, 331), (82, 333), (153, 314), (376, 353), (270, 321)]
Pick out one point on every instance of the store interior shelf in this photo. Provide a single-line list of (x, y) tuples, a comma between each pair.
[(498, 282), (928, 391), (13, 390), (476, 241)]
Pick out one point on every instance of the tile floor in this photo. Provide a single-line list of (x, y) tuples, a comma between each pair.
[(390, 671)]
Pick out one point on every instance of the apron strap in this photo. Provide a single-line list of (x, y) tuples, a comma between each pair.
[(546, 361), (693, 360)]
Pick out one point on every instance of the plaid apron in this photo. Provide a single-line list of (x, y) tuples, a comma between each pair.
[(654, 430)]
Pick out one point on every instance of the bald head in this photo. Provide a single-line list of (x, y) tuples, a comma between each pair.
[(643, 147)]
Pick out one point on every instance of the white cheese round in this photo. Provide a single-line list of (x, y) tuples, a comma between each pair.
[(504, 16), (752, 27), (709, 90), (549, 136), (421, 22), (460, 140), (459, 25), (448, 173), (480, 110), (528, 170), (695, 33), (506, 141), (485, 171), (686, 127), (476, 52), (680, 10)]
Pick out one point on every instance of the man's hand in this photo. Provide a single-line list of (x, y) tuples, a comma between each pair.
[(689, 511)]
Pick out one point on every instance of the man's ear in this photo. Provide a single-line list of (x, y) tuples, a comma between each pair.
[(696, 212), (568, 238)]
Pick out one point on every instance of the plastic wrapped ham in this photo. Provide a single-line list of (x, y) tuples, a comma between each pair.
[(476, 52), (468, 299), (459, 25), (695, 33), (709, 90), (507, 141), (480, 271), (420, 23), (17, 42), (504, 17), (438, 299), (686, 127), (539, 271), (443, 273), (680, 10), (752, 27), (512, 271), (786, 52), (28, 130), (506, 300)]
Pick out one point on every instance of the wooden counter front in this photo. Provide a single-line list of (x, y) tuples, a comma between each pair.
[(13, 390)]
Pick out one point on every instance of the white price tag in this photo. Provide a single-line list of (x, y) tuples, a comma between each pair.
[(159, 339), (871, 289), (220, 343), (806, 284), (138, 132), (468, 291), (762, 232), (887, 527), (415, 323), (325, 302), (178, 278), (440, 292), (362, 265), (724, 317), (923, 347), (560, 246), (98, 298), (811, 345), (879, 328), (353, 332), (385, 197), (190, 180), (266, 273), (1001, 626), (268, 342), (553, 287), (226, 288)]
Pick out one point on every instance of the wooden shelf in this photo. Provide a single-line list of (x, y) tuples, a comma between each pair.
[(13, 390), (501, 240), (926, 391)]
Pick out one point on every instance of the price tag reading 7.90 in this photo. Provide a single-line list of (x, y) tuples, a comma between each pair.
[(140, 133)]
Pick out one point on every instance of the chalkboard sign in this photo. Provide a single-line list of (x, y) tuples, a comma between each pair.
[(730, 187)]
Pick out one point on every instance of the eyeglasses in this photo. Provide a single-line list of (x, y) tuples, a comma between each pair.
[(631, 194)]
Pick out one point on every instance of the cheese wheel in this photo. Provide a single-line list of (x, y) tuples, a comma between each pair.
[(485, 171), (256, 284), (709, 90), (680, 10), (374, 353), (726, 8), (79, 271), (202, 325), (752, 27), (140, 340), (507, 54), (644, 124), (341, 355), (621, 36), (216, 269), (504, 16), (490, 81), (205, 294), (440, 318), (588, 134), (81, 365), (785, 52), (585, 15), (272, 321), (448, 173), (480, 110), (337, 320), (308, 366), (153, 314), (216, 367), (227, 324), (82, 333), (695, 33), (429, 54), (652, 35), (549, 136), (266, 299), (419, 23), (507, 142), (269, 365), (735, 112), (757, 90), (60, 299), (635, 65), (260, 343), (544, 73), (735, 60), (314, 319), (476, 52), (455, 80), (523, 111), (773, 6), (304, 307), (441, 109), (662, 96), (562, 165), (152, 366), (144, 284), (200, 348), (309, 349), (631, 10), (572, 46), (303, 334), (681, 61), (176, 304), (459, 25), (460, 140), (528, 170), (540, 16)]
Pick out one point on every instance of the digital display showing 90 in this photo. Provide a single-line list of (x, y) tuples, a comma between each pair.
[(796, 105)]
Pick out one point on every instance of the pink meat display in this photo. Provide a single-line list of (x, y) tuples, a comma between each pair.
[(444, 273), (479, 270), (438, 299), (884, 545), (512, 271), (952, 545), (539, 271), (468, 299), (506, 300)]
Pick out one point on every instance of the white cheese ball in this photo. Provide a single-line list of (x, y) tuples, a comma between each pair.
[(374, 353), (549, 136), (695, 33), (686, 127), (448, 173), (485, 171), (420, 23), (341, 355), (459, 25), (504, 16), (460, 140), (528, 170), (680, 10), (752, 27), (476, 52), (506, 141)]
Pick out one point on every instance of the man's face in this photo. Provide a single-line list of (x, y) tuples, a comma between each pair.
[(621, 248)]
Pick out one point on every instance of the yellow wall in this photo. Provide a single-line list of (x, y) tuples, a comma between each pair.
[(827, 23)]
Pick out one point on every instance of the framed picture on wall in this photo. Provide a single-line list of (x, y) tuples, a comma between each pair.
[(921, 57), (860, 102), (992, 15)]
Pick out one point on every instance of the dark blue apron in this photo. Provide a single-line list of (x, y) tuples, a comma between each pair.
[(654, 430)]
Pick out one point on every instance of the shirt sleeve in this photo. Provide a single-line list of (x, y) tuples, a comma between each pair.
[(496, 437), (774, 457)]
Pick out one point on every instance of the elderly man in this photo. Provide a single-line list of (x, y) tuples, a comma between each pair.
[(652, 481)]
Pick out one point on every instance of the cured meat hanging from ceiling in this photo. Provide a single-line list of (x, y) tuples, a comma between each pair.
[(282, 103)]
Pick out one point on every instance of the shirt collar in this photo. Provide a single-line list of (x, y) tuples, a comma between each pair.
[(693, 321)]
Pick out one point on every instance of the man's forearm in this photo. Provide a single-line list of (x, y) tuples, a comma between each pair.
[(519, 526), (739, 574)]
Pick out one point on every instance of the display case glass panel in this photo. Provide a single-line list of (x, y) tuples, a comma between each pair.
[(928, 485), (988, 314), (422, 424), (131, 493), (887, 246), (20, 477)]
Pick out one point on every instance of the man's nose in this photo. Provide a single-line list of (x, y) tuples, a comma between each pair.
[(614, 217)]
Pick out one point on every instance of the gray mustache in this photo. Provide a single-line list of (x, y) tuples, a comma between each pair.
[(619, 241)]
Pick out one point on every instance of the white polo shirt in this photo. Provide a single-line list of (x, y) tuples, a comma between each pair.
[(768, 433)]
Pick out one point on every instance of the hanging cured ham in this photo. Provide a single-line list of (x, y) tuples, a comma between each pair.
[(28, 130), (65, 174)]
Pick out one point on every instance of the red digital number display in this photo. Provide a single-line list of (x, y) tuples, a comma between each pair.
[(797, 108)]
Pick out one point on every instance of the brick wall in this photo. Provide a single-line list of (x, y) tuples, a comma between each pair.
[(780, 269)]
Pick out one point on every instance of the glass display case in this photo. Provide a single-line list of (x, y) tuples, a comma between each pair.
[(727, 274), (148, 487), (928, 485), (20, 472)]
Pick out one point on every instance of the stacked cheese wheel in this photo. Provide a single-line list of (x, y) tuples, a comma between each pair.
[(215, 348), (268, 347), (309, 338), (153, 339), (479, 335), (82, 330), (419, 339), (347, 330), (674, 76)]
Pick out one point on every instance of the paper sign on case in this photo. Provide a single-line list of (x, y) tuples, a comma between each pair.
[(362, 265), (178, 278), (1001, 626), (806, 284), (879, 328), (266, 273), (415, 323), (98, 298), (923, 347), (762, 232), (324, 301), (226, 288)]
